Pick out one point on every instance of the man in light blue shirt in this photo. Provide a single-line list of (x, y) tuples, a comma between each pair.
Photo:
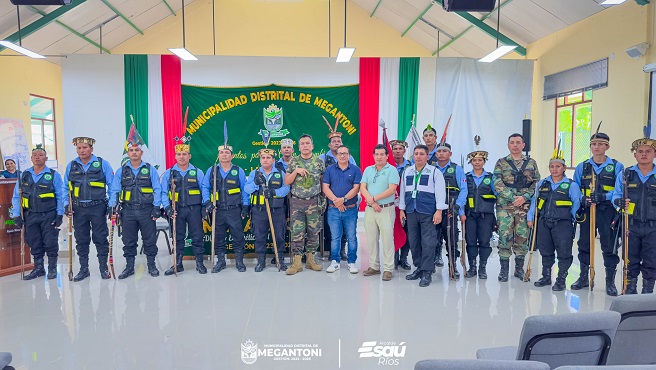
[(38, 194)]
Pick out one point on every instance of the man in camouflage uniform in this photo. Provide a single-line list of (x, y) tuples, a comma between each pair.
[(515, 178), (306, 204)]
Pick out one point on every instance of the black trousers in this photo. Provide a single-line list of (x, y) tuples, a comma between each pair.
[(642, 249), (261, 227), (40, 234), (189, 219), (134, 221), (555, 238), (443, 234), (422, 235), (90, 223), (229, 219), (478, 232), (605, 215), (402, 253)]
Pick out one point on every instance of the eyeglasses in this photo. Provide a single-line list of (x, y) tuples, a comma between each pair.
[(376, 176), (338, 153)]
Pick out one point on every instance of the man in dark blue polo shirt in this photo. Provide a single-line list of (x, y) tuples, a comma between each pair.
[(341, 184)]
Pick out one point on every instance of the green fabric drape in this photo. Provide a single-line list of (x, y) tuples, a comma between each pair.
[(408, 93), (135, 72)]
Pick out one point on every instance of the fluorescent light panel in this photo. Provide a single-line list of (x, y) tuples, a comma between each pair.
[(183, 54), (344, 55), (498, 53), (612, 2), (22, 50)]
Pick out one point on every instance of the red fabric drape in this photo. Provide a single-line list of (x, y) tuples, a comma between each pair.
[(369, 90), (172, 104)]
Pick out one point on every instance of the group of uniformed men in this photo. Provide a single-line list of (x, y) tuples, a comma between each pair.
[(434, 194)]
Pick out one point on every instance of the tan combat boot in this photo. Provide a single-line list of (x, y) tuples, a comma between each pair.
[(311, 263), (296, 266)]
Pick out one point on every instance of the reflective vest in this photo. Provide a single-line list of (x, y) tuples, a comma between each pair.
[(274, 182), (136, 189), (228, 189), (642, 195), (481, 198), (604, 181), (38, 196), (452, 186), (187, 188), (555, 204), (424, 200), (89, 185)]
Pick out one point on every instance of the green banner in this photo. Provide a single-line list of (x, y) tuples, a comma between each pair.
[(277, 111)]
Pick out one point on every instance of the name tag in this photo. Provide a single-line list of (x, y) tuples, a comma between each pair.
[(231, 182), (414, 194)]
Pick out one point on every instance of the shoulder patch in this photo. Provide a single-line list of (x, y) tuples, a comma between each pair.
[(145, 171), (276, 175), (192, 172), (451, 170), (234, 172), (96, 164), (564, 185), (486, 181), (47, 176), (610, 168)]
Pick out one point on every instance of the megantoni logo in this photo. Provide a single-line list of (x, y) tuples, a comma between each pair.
[(249, 352), (387, 353), (273, 122)]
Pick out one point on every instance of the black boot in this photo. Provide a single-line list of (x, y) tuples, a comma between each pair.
[(472, 269), (129, 268), (503, 273), (103, 268), (239, 261), (283, 266), (426, 279), (482, 272), (84, 269), (438, 257), (342, 252), (546, 277), (152, 268), (647, 286), (519, 268), (414, 275), (632, 286), (560, 281), (611, 290), (273, 260), (52, 267), (172, 271), (38, 269), (200, 266), (261, 263), (220, 263), (396, 260), (584, 279)]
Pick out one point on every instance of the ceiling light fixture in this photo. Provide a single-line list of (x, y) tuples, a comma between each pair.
[(499, 51), (612, 2), (182, 52), (19, 48), (344, 54)]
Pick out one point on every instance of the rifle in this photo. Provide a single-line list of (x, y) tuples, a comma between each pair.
[(22, 216), (532, 236), (593, 228), (213, 198), (110, 256), (449, 228), (70, 238), (625, 236), (463, 254), (173, 234)]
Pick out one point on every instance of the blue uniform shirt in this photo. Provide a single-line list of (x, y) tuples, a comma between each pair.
[(251, 188), (107, 170), (341, 181), (166, 181), (57, 183), (116, 184), (578, 172), (462, 183), (284, 164), (402, 165), (206, 186), (619, 187), (574, 194)]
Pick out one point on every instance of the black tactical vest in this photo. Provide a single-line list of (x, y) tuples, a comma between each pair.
[(330, 160), (228, 189), (555, 204), (274, 182), (450, 180), (89, 185), (480, 199), (38, 196), (136, 189), (187, 188), (605, 180), (642, 196)]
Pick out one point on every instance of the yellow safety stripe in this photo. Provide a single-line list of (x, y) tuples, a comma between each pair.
[(146, 190), (259, 199), (563, 203), (194, 192), (125, 195), (586, 192), (489, 196), (631, 208), (608, 188), (70, 186), (47, 195), (97, 184), (540, 203), (215, 195), (176, 196), (470, 201), (234, 191), (453, 187), (25, 203), (76, 191)]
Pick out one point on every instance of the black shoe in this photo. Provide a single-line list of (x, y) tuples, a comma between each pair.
[(219, 265), (273, 261), (632, 286), (584, 280), (472, 269), (239, 263), (102, 267), (559, 285), (414, 275), (171, 270), (283, 266), (82, 274), (52, 268), (38, 270), (503, 273), (647, 286), (426, 279), (152, 269), (261, 264), (611, 290), (482, 271), (129, 270), (519, 268), (438, 260), (200, 266), (545, 279), (405, 265)]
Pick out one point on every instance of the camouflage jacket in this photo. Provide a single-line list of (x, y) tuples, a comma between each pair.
[(504, 179), (307, 186)]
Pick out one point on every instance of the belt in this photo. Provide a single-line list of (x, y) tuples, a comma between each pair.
[(136, 206), (225, 208), (349, 206), (90, 203), (297, 197), (390, 204)]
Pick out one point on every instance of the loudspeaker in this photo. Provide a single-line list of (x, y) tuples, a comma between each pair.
[(636, 51), (469, 5), (526, 132), (41, 2)]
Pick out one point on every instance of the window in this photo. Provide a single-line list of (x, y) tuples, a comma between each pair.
[(42, 114), (573, 123)]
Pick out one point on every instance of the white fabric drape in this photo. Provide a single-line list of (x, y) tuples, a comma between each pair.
[(155, 113), (388, 102)]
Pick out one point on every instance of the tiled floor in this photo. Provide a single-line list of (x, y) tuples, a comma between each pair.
[(200, 321)]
